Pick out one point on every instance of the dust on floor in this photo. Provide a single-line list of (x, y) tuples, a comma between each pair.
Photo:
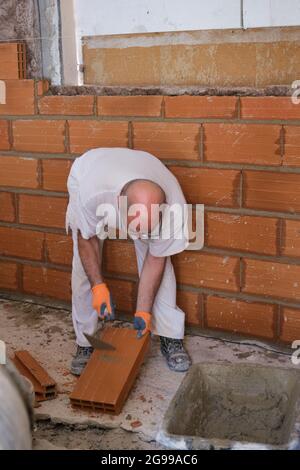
[(51, 436)]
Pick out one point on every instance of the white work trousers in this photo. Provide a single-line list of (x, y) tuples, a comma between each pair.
[(167, 318)]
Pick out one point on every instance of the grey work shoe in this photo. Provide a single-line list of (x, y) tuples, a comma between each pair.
[(177, 357), (80, 359)]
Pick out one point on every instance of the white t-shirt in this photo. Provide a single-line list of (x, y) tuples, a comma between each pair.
[(98, 177)]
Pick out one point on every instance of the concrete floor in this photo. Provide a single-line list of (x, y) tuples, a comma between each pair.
[(48, 335)]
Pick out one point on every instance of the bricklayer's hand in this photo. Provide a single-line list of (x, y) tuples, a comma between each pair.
[(142, 323), (102, 302)]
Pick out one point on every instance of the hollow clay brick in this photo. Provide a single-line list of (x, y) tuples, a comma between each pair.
[(12, 60), (290, 238), (272, 191), (200, 106), (239, 232), (44, 386), (19, 98), (55, 174), (129, 105), (67, 105), (108, 377), (210, 186), (18, 172), (44, 281), (269, 107), (171, 140), (39, 136), (86, 135), (250, 318), (272, 279), (4, 138), (255, 144), (8, 275), (291, 155), (21, 243), (290, 324), (42, 210), (7, 209)]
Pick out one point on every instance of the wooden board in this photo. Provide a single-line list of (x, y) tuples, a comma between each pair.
[(44, 386), (108, 377), (12, 60)]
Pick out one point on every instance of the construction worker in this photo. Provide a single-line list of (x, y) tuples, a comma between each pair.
[(100, 178)]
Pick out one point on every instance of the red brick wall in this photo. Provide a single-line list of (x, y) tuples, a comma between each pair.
[(240, 156)]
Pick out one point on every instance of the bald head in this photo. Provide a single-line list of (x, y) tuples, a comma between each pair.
[(147, 194), (144, 192)]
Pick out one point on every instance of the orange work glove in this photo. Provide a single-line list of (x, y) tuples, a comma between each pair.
[(142, 323), (102, 301)]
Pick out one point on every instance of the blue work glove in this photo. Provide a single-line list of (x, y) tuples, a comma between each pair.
[(142, 323)]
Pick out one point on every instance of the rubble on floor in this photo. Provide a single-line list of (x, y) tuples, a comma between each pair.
[(51, 436)]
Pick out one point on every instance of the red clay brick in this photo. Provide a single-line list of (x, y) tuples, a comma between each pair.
[(59, 248), (268, 278), (290, 324), (21, 243), (242, 233), (55, 174), (242, 143), (86, 135), (8, 275), (290, 244), (42, 210), (190, 303), (121, 366), (207, 270), (269, 107), (119, 257), (212, 187), (39, 136), (200, 106), (47, 282), (19, 97), (42, 87), (124, 294), (18, 171), (7, 208), (271, 191), (172, 140), (253, 318), (291, 146), (129, 105), (69, 105), (4, 140), (11, 60), (44, 387)]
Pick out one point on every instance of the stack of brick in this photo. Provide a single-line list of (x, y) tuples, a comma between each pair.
[(240, 156)]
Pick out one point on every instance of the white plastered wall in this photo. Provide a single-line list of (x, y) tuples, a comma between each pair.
[(108, 17)]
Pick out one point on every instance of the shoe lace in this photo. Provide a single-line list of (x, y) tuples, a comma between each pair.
[(173, 345), (84, 351)]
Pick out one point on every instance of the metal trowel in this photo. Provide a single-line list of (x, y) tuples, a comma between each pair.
[(96, 342)]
